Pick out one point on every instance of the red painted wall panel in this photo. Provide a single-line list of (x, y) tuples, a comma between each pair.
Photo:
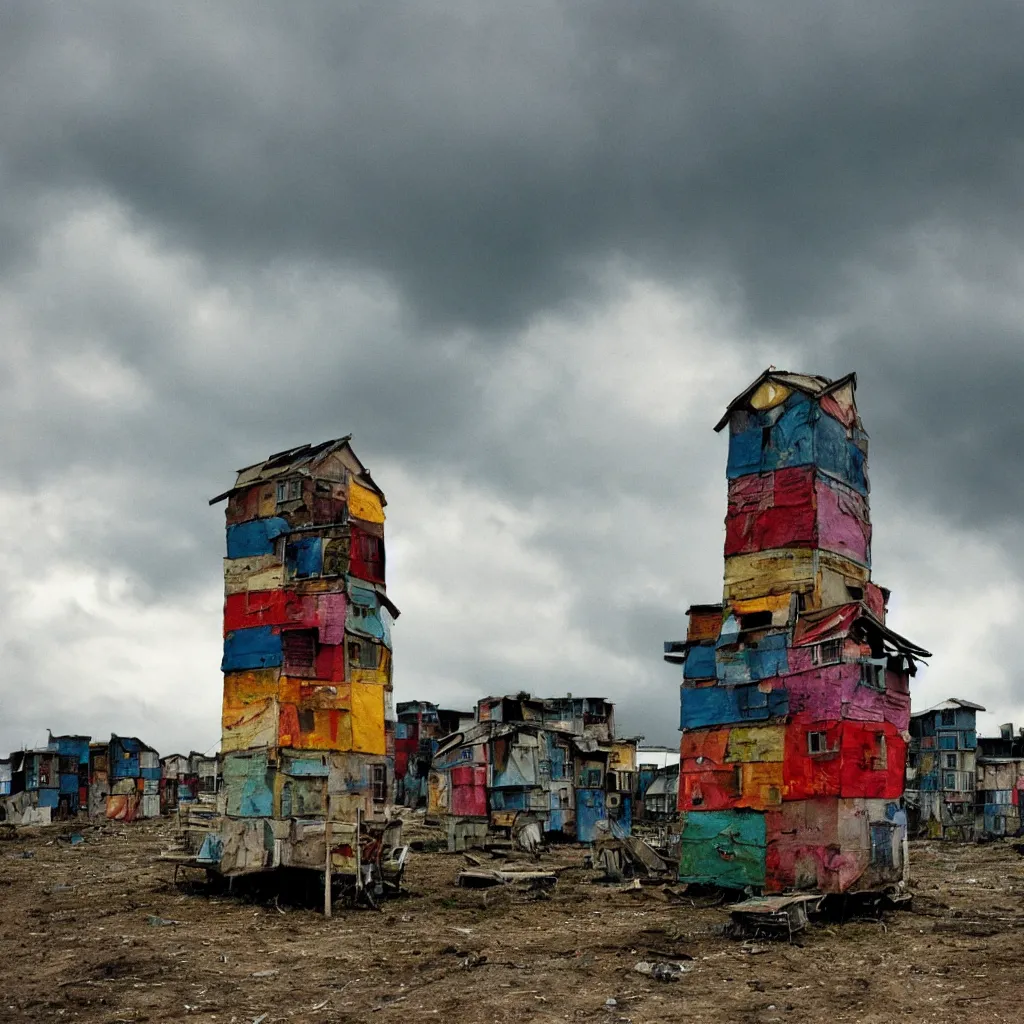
[(269, 608)]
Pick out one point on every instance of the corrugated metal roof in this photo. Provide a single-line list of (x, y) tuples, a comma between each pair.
[(950, 704)]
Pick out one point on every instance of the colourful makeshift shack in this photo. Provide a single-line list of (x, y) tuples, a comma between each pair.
[(420, 725), (1000, 783), (553, 760), (307, 728), (795, 694), (73, 768), (178, 785), (941, 769), (133, 769)]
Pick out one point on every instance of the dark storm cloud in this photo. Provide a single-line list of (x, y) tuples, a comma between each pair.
[(483, 156), (291, 222)]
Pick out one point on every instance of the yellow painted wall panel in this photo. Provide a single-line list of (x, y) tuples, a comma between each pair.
[(290, 689), (368, 676), (754, 743), (760, 785), (332, 729), (623, 757), (268, 501), (254, 725), (364, 503), (241, 688), (768, 573), (769, 395), (368, 718)]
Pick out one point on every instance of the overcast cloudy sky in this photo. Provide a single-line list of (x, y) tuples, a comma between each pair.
[(525, 253)]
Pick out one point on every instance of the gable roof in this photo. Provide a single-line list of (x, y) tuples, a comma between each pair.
[(810, 384), (292, 460), (950, 704)]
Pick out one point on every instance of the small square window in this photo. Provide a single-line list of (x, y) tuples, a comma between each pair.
[(950, 780), (828, 653), (951, 760), (817, 742), (949, 717)]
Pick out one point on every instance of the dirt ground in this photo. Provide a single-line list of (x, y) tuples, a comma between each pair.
[(77, 943)]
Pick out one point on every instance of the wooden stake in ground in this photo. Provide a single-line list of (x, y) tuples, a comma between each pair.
[(327, 866)]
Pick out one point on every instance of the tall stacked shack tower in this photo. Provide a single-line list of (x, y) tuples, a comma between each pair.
[(795, 699), (306, 729)]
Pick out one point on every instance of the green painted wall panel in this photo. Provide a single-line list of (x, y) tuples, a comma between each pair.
[(724, 848)]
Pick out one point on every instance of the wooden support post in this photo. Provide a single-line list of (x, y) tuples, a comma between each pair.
[(359, 850), (327, 865)]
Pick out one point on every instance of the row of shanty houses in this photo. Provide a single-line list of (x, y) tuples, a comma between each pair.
[(555, 761), (959, 784), (122, 779)]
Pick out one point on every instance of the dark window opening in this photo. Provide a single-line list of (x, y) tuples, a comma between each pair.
[(299, 649), (362, 654), (307, 721), (949, 717), (872, 675), (828, 653), (380, 783), (817, 742), (755, 620), (951, 760), (857, 593)]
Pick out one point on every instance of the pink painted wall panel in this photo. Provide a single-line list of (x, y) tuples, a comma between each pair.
[(832, 692), (331, 609), (842, 521)]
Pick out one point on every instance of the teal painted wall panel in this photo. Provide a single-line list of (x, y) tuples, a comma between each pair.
[(724, 848)]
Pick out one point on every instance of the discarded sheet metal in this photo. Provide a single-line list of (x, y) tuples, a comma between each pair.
[(775, 916)]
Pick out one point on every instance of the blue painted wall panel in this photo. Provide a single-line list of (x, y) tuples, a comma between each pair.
[(259, 647), (245, 540), (364, 615), (150, 773), (248, 782), (308, 766), (303, 557), (699, 663), (589, 811), (69, 783), (73, 746), (49, 798), (744, 453), (725, 705), (125, 767), (768, 659)]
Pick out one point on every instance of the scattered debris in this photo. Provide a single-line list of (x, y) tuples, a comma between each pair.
[(481, 878), (667, 971), (773, 916)]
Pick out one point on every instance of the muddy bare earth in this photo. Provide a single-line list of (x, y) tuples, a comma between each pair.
[(97, 931)]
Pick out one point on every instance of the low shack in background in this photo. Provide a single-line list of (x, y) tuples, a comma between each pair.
[(419, 727), (942, 770), (552, 760), (1000, 783)]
